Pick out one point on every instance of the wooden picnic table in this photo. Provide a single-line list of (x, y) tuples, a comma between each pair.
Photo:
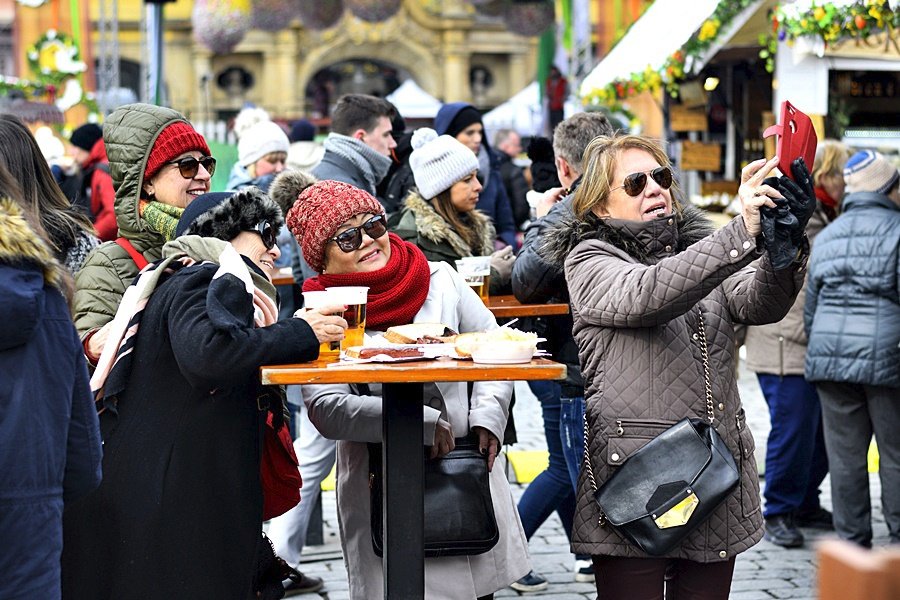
[(505, 307)]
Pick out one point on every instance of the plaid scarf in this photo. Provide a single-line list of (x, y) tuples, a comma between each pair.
[(114, 367), (162, 218)]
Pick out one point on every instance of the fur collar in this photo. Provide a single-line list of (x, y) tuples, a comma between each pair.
[(433, 227), (19, 244), (645, 242)]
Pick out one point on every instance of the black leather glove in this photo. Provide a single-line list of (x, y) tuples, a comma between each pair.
[(799, 192), (779, 227)]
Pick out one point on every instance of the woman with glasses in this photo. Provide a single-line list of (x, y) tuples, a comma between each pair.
[(341, 230), (159, 165), (179, 511), (655, 295), (439, 214)]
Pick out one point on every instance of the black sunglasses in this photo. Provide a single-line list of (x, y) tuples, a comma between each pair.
[(635, 183), (189, 166), (267, 232), (351, 239)]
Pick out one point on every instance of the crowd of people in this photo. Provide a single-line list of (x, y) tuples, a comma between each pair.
[(145, 301)]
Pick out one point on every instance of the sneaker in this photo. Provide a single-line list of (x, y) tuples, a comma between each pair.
[(530, 583), (297, 583), (781, 531), (584, 571), (817, 518)]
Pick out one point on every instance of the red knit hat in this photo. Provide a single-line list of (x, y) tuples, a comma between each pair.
[(319, 211), (176, 139)]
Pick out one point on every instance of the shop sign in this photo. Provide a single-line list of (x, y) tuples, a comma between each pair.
[(884, 45), (698, 156), (687, 119)]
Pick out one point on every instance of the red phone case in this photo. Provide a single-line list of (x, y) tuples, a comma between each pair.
[(796, 138)]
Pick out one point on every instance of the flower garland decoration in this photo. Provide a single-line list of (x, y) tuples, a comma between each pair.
[(672, 71), (220, 25), (272, 15), (373, 11), (319, 14), (54, 57), (830, 23), (529, 18)]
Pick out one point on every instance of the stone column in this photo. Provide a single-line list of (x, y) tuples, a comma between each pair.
[(456, 67), (201, 108), (519, 76)]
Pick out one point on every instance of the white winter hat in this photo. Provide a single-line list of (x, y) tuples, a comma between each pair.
[(437, 162), (260, 139)]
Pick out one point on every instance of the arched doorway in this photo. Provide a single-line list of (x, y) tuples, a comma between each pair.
[(351, 76)]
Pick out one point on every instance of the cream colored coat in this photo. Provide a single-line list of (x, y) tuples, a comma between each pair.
[(354, 420)]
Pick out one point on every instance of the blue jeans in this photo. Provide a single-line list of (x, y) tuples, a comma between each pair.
[(552, 489), (571, 432), (796, 462)]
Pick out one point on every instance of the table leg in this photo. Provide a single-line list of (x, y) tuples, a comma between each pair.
[(403, 471)]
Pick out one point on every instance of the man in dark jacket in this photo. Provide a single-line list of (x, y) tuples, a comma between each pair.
[(509, 146), (536, 280), (97, 196), (852, 318)]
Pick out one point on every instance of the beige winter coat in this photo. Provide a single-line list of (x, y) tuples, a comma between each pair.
[(780, 348), (636, 291)]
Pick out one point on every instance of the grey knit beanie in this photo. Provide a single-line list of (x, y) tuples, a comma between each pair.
[(437, 162)]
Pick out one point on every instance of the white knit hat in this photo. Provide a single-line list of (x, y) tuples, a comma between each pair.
[(869, 171), (260, 139), (439, 162)]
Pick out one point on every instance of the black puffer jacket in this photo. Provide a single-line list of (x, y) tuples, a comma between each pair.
[(852, 313)]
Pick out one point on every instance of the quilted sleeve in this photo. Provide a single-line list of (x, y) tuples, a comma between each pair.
[(757, 295), (99, 287), (609, 289)]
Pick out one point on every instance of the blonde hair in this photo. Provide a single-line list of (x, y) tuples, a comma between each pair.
[(831, 156), (600, 161)]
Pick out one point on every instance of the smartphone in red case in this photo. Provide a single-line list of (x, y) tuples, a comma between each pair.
[(796, 138)]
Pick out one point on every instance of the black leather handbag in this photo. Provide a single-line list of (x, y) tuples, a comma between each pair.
[(671, 485), (459, 513)]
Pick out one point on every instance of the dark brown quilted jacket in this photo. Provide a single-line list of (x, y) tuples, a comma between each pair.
[(636, 289)]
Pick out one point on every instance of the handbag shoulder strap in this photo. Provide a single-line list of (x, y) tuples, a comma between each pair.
[(704, 353), (136, 256)]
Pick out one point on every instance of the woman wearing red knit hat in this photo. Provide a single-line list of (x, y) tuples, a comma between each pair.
[(341, 230), (159, 164)]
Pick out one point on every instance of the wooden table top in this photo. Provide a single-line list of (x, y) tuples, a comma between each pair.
[(283, 278), (418, 371), (508, 306)]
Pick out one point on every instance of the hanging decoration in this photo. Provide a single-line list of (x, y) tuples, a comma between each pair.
[(319, 14), (272, 15), (829, 23), (54, 57), (373, 11), (529, 18), (220, 25)]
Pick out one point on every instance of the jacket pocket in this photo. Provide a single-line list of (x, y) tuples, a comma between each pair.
[(749, 485), (630, 435)]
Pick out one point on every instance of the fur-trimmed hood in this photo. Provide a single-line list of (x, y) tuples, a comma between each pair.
[(224, 215), (645, 242), (432, 226), (20, 245)]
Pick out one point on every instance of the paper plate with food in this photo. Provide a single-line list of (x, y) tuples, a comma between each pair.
[(501, 346), (416, 341)]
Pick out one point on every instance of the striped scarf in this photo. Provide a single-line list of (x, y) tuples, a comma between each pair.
[(114, 367), (162, 218)]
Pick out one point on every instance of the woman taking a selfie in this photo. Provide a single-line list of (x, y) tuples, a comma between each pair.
[(654, 290), (342, 233)]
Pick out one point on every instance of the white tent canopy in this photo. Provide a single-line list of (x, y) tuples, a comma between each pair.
[(663, 28), (523, 113), (413, 102)]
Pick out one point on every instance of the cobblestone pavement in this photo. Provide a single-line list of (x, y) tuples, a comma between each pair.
[(764, 572)]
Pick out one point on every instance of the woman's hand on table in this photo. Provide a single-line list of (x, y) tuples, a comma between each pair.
[(443, 439), (324, 323), (488, 444), (755, 194)]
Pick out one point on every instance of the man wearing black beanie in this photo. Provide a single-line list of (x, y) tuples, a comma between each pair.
[(97, 196)]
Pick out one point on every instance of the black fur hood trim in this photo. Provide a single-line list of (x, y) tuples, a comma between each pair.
[(643, 241), (242, 211)]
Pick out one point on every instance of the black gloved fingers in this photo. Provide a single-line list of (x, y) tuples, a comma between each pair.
[(801, 204), (802, 176)]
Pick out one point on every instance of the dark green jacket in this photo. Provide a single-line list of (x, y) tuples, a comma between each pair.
[(129, 133)]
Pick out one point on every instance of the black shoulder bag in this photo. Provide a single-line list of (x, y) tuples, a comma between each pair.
[(459, 513), (671, 485)]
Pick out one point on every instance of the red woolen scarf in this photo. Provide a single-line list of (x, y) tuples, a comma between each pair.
[(396, 292)]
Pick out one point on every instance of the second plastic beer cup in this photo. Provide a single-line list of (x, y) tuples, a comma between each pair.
[(314, 300), (354, 298)]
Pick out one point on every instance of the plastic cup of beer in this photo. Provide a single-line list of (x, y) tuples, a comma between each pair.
[(318, 299), (354, 298), (476, 270)]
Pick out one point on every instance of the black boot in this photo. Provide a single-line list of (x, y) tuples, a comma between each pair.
[(781, 531)]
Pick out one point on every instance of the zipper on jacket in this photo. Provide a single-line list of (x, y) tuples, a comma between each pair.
[(781, 355), (621, 424)]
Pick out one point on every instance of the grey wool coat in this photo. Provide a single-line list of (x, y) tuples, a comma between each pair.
[(636, 291)]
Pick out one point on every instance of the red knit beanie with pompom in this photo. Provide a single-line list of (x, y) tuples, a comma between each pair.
[(318, 212), (173, 141)]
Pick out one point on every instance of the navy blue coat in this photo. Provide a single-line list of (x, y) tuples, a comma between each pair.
[(852, 312), (493, 200), (49, 437)]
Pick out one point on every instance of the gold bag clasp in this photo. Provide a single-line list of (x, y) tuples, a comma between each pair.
[(679, 514)]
